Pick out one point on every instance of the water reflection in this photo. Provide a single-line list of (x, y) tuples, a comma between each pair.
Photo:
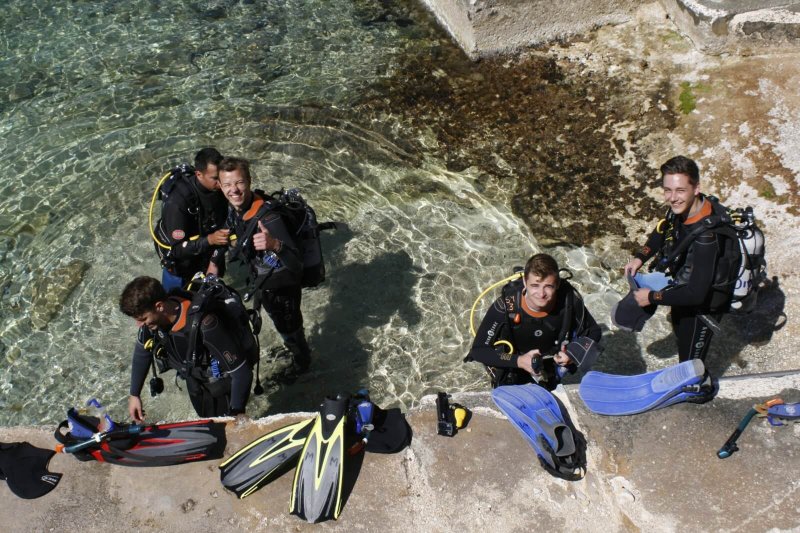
[(99, 99)]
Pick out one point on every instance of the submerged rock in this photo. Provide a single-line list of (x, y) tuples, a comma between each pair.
[(50, 291)]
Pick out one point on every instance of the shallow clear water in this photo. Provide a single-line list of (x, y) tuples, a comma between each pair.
[(99, 99)]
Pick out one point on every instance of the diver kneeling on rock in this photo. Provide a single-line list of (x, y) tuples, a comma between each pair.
[(537, 330)]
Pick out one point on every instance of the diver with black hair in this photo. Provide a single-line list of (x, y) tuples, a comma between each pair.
[(217, 364), (537, 330), (192, 219)]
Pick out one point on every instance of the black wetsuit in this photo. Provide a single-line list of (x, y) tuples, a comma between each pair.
[(275, 278), (235, 352), (509, 320), (694, 273), (189, 214)]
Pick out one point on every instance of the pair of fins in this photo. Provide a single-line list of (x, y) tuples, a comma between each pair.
[(537, 415), (609, 394), (316, 447)]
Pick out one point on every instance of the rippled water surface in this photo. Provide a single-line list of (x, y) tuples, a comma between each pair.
[(99, 99)]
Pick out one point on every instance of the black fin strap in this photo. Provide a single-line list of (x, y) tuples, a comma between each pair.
[(706, 391), (571, 467)]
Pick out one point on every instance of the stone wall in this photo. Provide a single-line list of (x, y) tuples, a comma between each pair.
[(485, 28), (737, 27), (491, 27)]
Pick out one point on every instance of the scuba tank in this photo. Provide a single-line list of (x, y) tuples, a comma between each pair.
[(751, 245)]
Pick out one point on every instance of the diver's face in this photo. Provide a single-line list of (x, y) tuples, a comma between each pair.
[(153, 319), (540, 293), (235, 187), (208, 178), (679, 193)]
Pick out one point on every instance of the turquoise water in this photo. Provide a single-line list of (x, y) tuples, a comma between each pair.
[(99, 99)]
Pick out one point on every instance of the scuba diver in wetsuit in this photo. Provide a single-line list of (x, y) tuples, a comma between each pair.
[(700, 288), (538, 317), (219, 372), (192, 219), (261, 238)]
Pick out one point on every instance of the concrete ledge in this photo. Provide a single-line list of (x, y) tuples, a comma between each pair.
[(490, 27), (485, 28), (657, 471), (739, 27)]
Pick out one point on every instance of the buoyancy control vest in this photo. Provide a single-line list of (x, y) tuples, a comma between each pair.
[(179, 185), (521, 330), (206, 295), (301, 221), (741, 265)]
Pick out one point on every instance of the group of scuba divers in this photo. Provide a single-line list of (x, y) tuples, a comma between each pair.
[(194, 323), (707, 260)]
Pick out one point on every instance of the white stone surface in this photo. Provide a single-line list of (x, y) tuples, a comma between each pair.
[(490, 27)]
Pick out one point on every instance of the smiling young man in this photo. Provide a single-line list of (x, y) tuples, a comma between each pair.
[(698, 286), (264, 242), (531, 320)]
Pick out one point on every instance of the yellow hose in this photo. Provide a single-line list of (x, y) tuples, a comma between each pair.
[(152, 204), (512, 277)]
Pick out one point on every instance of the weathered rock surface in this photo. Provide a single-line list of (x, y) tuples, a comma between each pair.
[(652, 472)]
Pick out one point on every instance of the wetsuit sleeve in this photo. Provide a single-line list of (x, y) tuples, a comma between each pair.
[(694, 292), (241, 379), (222, 346), (220, 252), (176, 224), (291, 271), (218, 257), (489, 332), (585, 324), (140, 363), (654, 243)]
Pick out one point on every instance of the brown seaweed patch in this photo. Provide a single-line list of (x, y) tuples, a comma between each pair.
[(540, 126)]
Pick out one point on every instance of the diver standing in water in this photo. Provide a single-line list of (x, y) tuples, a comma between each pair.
[(260, 236), (212, 352), (695, 284), (192, 219), (538, 330)]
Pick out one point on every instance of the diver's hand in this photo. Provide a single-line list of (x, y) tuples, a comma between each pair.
[(525, 361), (561, 358), (219, 237), (642, 297), (633, 266), (263, 241), (135, 409)]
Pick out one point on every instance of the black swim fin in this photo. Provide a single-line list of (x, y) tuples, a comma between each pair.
[(317, 490), (264, 459)]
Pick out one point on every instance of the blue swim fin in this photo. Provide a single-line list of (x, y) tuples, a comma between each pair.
[(780, 414), (609, 394), (536, 414), (317, 490)]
